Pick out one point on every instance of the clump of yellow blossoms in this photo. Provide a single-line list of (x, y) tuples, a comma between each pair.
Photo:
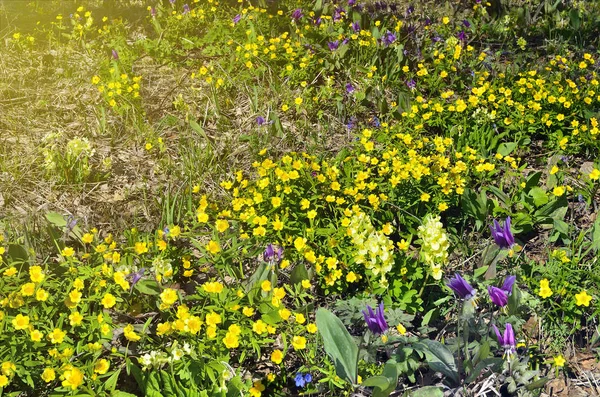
[(434, 246), (374, 249)]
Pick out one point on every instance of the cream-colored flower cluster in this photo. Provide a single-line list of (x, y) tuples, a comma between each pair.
[(374, 249), (434, 248)]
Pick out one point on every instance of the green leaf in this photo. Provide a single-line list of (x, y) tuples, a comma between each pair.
[(439, 358), (427, 391), (148, 287), (111, 382), (338, 344), (539, 196), (299, 273), (379, 381), (390, 371), (119, 393), (507, 148), (596, 235)]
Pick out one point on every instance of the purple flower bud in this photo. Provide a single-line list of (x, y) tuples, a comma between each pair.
[(506, 341), (356, 27), (461, 287), (115, 55), (297, 14), (153, 12), (498, 296), (273, 253), (172, 2), (351, 2), (412, 84), (135, 277), (508, 284), (333, 45), (375, 321), (237, 18), (466, 23), (462, 36), (388, 38), (186, 8), (260, 120), (349, 88), (338, 14), (502, 235)]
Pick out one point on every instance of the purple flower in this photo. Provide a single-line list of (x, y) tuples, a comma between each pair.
[(297, 14), (349, 88), (461, 287), (355, 27), (260, 120), (172, 2), (412, 84), (502, 235), (508, 284), (388, 38), (135, 277), (462, 36), (237, 18), (273, 253), (333, 45), (153, 12), (506, 341), (115, 55), (375, 321), (466, 23), (318, 21), (498, 296), (409, 11), (302, 379), (338, 14), (186, 8), (351, 2), (351, 123)]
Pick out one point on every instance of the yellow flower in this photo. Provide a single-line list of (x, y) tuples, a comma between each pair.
[(277, 356), (266, 286), (20, 322), (425, 197), (583, 299), (222, 225), (248, 311), (231, 340), (559, 361), (284, 107), (351, 277), (401, 329), (298, 101), (214, 287), (445, 20), (36, 336), (558, 191), (595, 174), (75, 319), (311, 328), (108, 301), (3, 381), (67, 252), (442, 207), (130, 334), (213, 247), (87, 238), (28, 289), (259, 327), (545, 291), (299, 342), (73, 378), (35, 274), (48, 375), (213, 319), (168, 296), (141, 248), (300, 319), (56, 336), (101, 367), (306, 284)]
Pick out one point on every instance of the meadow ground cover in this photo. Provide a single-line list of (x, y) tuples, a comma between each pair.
[(299, 197)]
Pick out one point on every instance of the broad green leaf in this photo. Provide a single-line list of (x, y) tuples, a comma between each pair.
[(507, 148), (439, 358), (338, 344), (379, 381), (539, 196), (427, 391), (148, 287), (299, 273)]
